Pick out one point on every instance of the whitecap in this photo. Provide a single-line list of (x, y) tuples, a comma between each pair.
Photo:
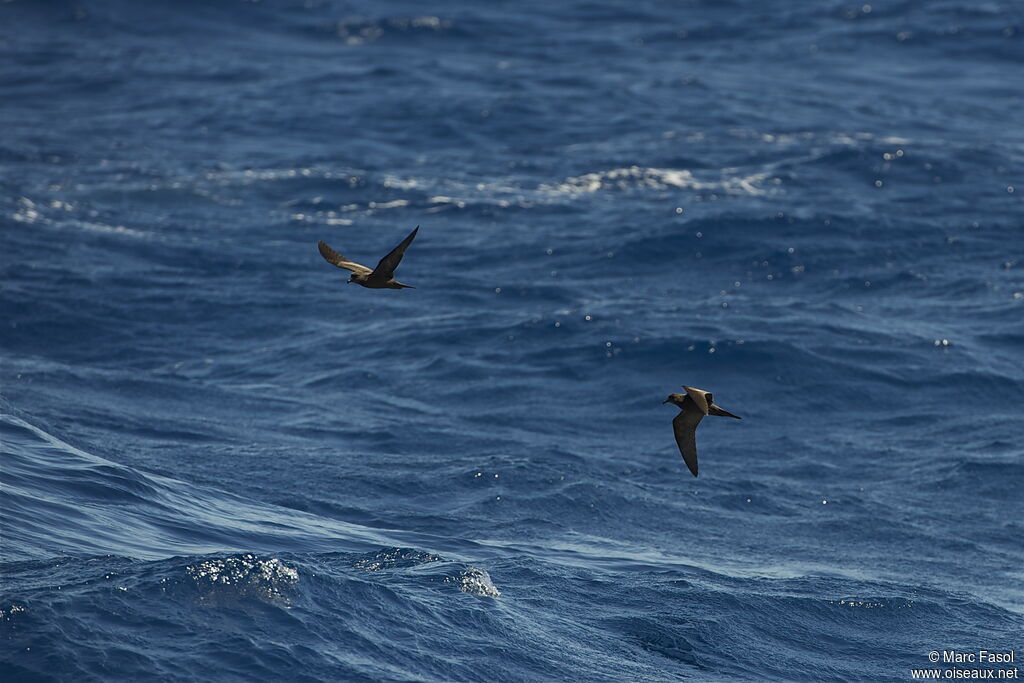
[(475, 581)]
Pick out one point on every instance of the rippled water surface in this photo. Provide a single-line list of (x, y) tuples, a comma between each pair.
[(222, 462)]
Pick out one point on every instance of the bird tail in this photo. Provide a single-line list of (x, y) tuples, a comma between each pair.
[(715, 410)]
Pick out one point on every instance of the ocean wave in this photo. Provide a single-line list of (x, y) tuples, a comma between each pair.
[(70, 502)]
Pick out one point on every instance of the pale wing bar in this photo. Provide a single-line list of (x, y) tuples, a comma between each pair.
[(336, 259)]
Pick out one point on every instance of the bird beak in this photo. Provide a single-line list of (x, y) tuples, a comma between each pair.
[(665, 401)]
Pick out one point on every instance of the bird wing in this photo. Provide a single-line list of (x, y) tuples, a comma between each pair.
[(685, 427), (336, 259), (701, 398), (386, 268)]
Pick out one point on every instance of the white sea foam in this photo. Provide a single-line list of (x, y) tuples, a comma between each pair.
[(641, 177), (247, 576), (475, 581)]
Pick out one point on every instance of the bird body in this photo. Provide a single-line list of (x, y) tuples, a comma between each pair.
[(381, 277), (693, 406)]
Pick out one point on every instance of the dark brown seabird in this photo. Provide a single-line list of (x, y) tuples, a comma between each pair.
[(693, 406), (381, 277)]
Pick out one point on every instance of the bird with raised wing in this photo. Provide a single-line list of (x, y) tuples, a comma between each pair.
[(693, 406), (381, 277)]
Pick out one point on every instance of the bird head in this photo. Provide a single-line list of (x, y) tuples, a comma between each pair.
[(675, 398)]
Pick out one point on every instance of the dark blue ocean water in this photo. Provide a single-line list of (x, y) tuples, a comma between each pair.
[(221, 462)]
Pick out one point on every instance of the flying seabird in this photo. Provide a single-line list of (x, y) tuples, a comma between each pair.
[(381, 277), (693, 406)]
